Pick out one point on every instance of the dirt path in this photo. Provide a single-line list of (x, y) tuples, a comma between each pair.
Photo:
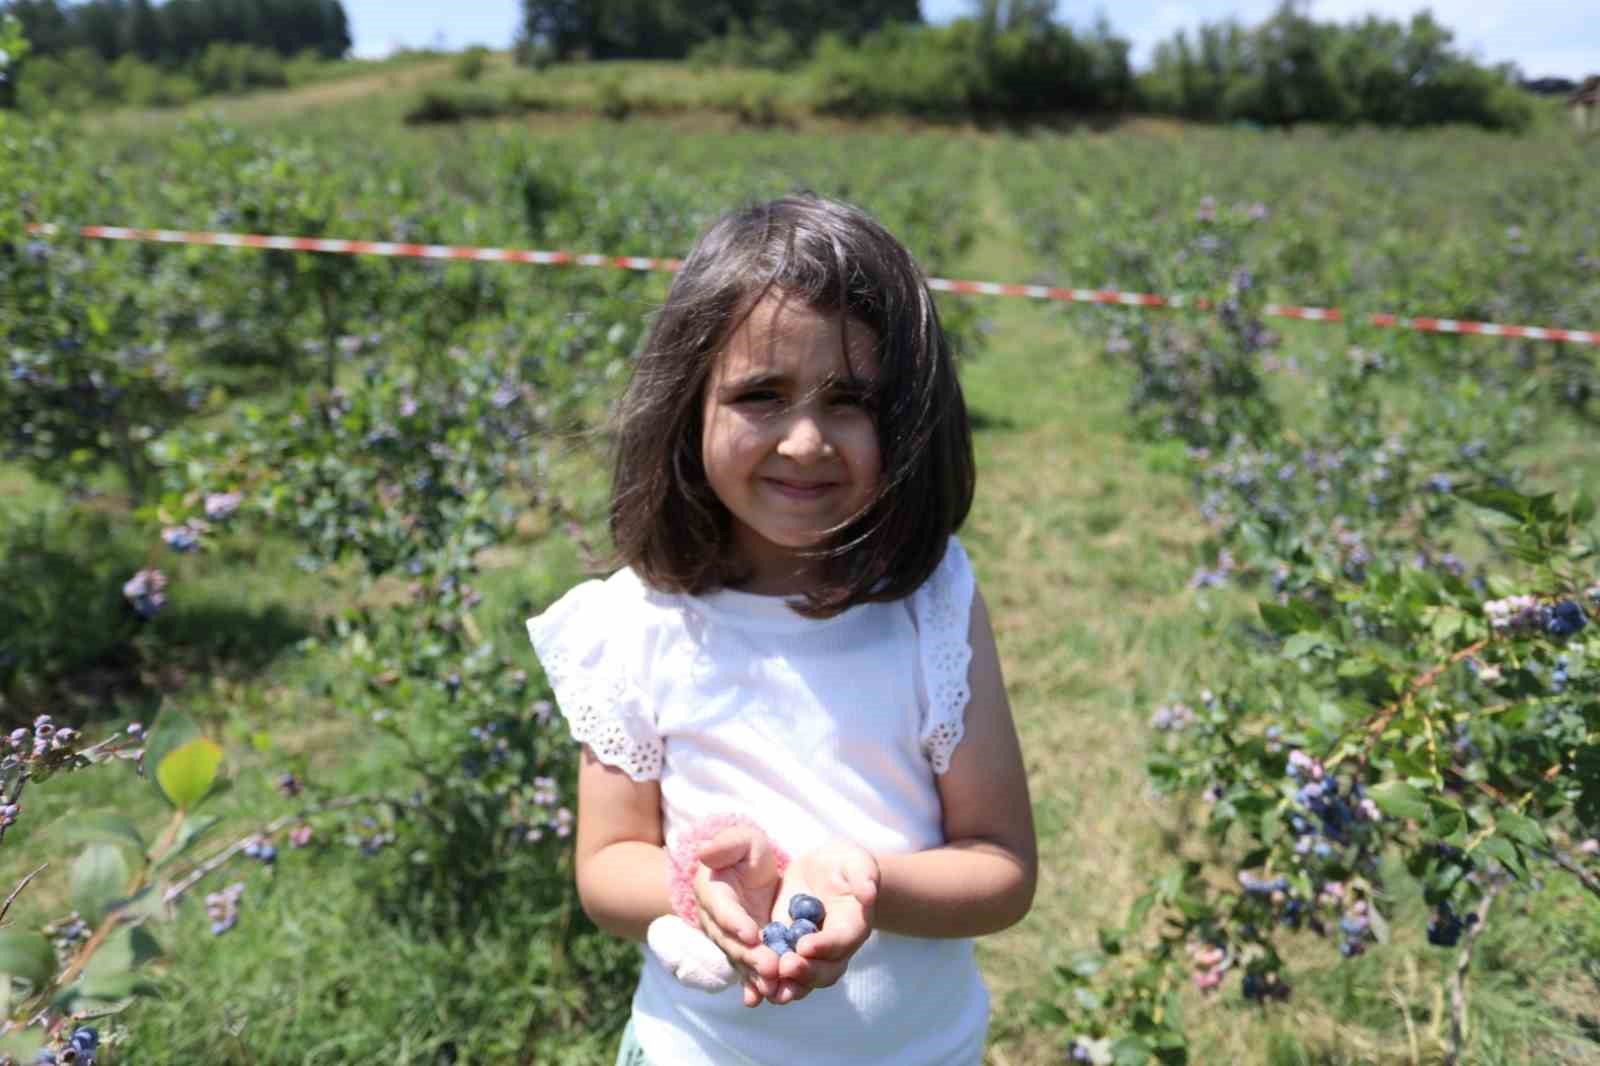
[(285, 102), (1082, 552)]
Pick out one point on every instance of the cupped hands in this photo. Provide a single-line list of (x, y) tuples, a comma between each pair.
[(739, 890)]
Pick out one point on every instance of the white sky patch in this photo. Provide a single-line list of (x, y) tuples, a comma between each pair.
[(1559, 38)]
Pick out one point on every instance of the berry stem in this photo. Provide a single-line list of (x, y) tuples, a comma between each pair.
[(1381, 721), (1458, 980), (219, 858), (15, 892)]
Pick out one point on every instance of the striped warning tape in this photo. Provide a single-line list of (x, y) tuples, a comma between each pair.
[(633, 262)]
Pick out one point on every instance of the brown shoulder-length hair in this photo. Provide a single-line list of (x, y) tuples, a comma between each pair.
[(666, 522)]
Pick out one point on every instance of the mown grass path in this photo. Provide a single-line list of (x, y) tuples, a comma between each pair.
[(1081, 551)]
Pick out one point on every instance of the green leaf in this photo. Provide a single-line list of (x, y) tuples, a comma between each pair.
[(1521, 828), (1502, 849), (172, 730), (1357, 667), (1301, 644), (1448, 818), (1049, 1014), (116, 986), (186, 774), (1130, 1051), (1582, 508), (101, 827), (1281, 620), (127, 948), (1509, 503), (99, 878), (1447, 623), (1399, 800), (28, 956)]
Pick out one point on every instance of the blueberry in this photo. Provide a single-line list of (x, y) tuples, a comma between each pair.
[(807, 907), (1444, 930), (802, 927), (778, 937), (1565, 619), (86, 1038)]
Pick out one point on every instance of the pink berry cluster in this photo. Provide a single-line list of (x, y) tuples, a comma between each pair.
[(1210, 964)]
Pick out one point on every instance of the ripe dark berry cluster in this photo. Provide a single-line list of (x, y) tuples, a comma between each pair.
[(79, 1050), (1444, 929), (1263, 986), (1566, 619), (805, 913)]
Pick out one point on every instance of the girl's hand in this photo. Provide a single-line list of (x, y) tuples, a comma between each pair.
[(845, 877), (738, 879)]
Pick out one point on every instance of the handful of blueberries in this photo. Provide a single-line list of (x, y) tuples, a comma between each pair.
[(806, 913)]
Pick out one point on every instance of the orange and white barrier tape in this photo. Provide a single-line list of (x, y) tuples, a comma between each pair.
[(336, 246)]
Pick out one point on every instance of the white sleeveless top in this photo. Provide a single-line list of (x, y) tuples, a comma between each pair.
[(817, 729)]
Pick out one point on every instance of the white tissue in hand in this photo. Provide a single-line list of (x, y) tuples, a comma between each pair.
[(691, 956)]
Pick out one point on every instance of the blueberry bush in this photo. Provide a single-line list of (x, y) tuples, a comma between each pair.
[(1411, 708)]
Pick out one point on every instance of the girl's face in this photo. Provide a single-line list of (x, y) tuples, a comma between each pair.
[(790, 443)]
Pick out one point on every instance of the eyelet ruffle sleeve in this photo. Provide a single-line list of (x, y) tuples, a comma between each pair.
[(591, 645), (942, 609)]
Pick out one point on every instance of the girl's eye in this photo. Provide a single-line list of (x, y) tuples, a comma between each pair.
[(756, 396), (853, 399)]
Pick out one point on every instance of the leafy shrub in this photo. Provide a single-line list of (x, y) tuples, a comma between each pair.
[(237, 68), (953, 71), (1292, 69), (612, 100), (760, 47), (61, 606), (470, 64), (453, 103)]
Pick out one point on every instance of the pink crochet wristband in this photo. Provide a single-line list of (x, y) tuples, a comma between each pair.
[(684, 857)]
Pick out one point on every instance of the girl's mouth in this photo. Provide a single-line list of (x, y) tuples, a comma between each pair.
[(801, 490)]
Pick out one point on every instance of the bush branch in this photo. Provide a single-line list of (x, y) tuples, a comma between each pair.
[(219, 859), (1458, 979), (15, 892)]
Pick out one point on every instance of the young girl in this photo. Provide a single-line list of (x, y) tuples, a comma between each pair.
[(791, 686)]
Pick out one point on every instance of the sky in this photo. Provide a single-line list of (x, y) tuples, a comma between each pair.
[(1543, 37)]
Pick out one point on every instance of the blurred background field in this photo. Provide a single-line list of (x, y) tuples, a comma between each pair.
[(357, 623)]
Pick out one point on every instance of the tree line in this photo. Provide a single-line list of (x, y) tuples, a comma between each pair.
[(179, 31), (671, 29), (1013, 57)]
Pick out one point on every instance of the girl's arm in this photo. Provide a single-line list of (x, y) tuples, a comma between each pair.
[(622, 859), (982, 880)]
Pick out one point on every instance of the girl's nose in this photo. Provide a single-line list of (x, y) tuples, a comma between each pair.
[(804, 439)]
